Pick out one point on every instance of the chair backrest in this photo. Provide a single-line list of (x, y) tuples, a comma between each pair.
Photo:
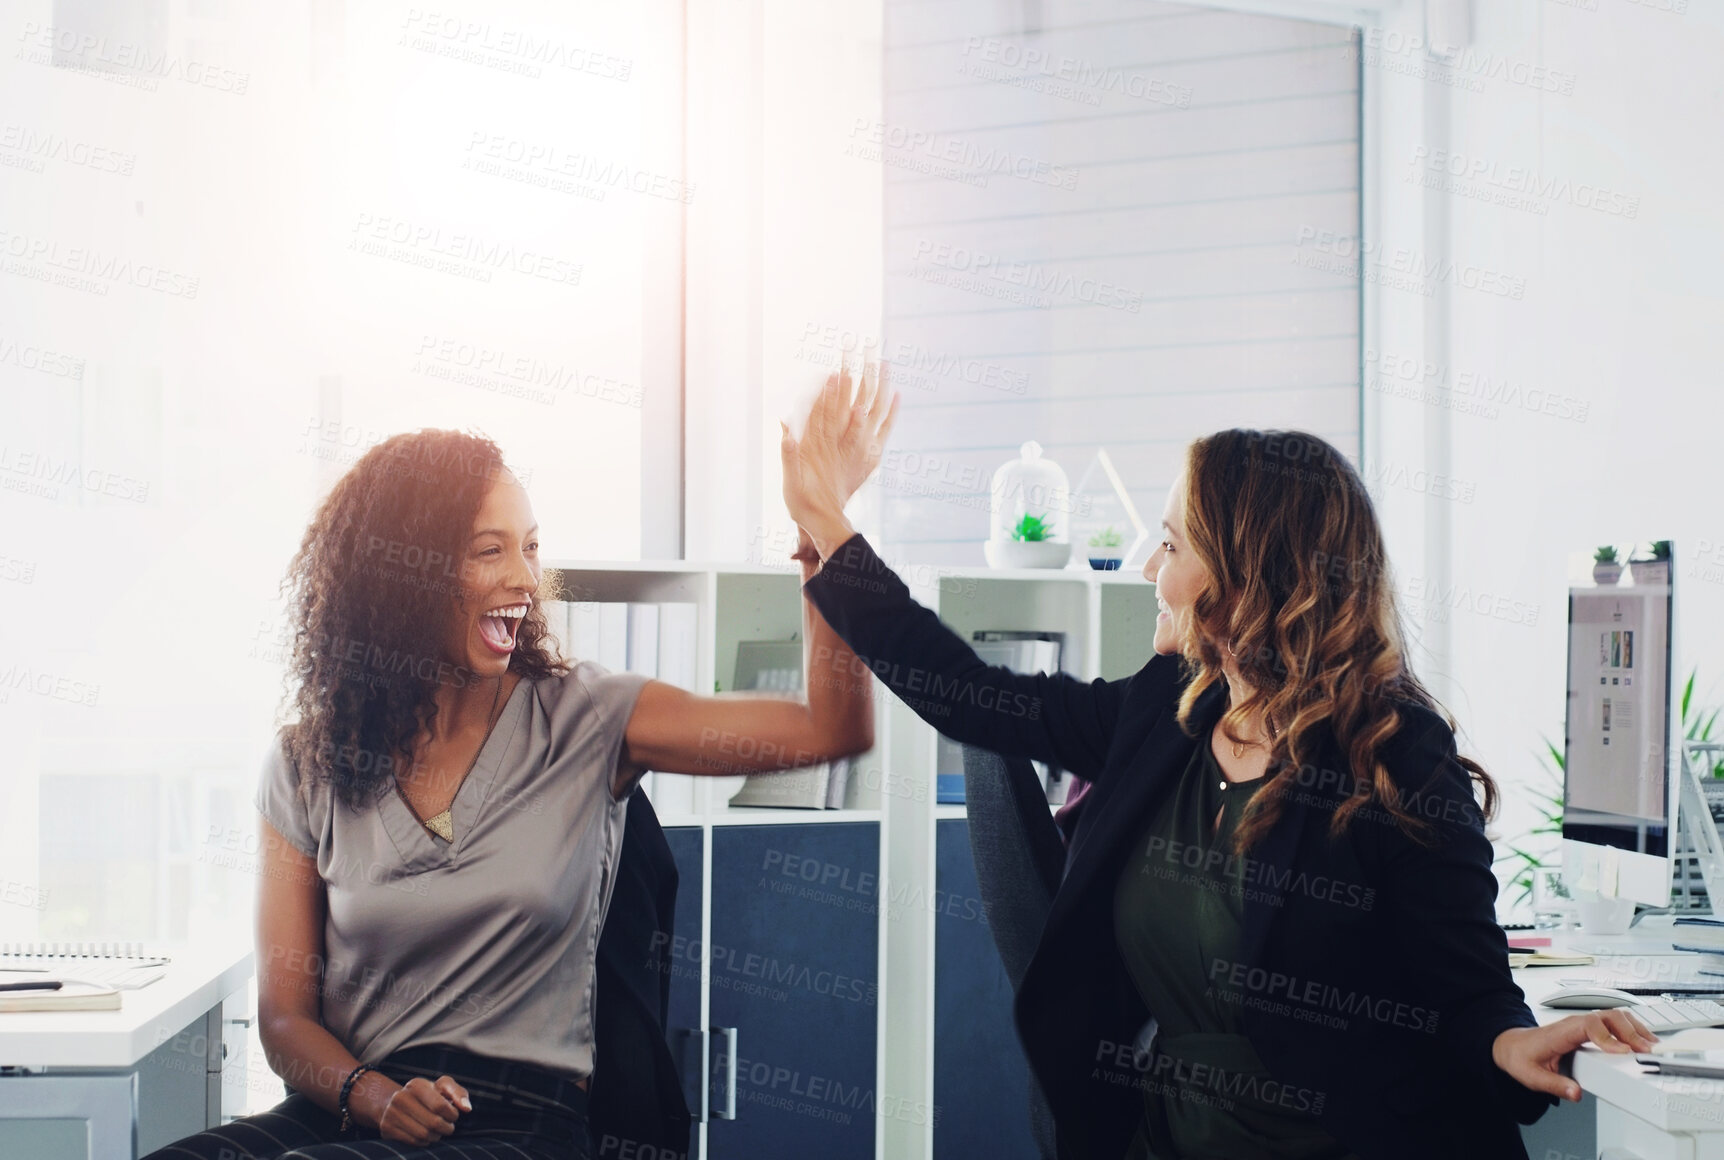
[(1020, 858), (1018, 851), (636, 1099)]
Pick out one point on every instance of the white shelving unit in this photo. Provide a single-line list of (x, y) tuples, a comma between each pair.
[(1109, 622)]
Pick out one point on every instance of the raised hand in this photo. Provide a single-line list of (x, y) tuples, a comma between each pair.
[(839, 449)]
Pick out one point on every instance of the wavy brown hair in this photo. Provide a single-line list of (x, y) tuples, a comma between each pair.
[(1300, 595), (371, 594)]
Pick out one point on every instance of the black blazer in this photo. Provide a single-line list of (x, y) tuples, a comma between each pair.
[(636, 1105), (1373, 972)]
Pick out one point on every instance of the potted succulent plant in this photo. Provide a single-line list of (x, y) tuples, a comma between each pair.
[(1106, 549), (1653, 569), (1033, 529), (1026, 495), (1032, 545), (1606, 570)]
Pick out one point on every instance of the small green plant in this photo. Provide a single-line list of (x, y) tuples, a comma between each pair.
[(1547, 801), (1032, 529), (1661, 549), (1108, 537), (1698, 723), (1605, 555)]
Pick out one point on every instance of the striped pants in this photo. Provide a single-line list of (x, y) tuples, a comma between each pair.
[(520, 1112)]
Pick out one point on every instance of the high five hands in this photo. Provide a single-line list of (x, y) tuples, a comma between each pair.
[(839, 449)]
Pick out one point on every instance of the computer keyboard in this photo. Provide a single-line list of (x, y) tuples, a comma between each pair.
[(1662, 1015), (1640, 985)]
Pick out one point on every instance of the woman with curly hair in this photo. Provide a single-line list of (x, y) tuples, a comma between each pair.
[(442, 817), (1275, 935)]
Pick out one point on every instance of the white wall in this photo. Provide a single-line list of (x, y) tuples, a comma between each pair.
[(1613, 320), (783, 235), (1095, 211)]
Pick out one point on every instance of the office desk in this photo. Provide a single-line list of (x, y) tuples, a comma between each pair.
[(1639, 1116), (116, 1085)]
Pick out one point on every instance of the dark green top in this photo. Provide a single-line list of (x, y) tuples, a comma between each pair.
[(1178, 907)]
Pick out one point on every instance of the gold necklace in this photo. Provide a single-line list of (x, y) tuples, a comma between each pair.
[(1239, 748), (443, 825)]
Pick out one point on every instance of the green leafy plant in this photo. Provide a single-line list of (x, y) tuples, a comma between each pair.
[(1108, 537), (1661, 549), (1605, 555), (1032, 529), (1547, 801), (1699, 723)]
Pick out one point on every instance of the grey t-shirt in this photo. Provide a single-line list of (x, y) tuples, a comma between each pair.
[(487, 942)]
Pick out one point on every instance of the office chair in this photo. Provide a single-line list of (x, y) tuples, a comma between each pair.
[(1020, 858), (636, 1105)]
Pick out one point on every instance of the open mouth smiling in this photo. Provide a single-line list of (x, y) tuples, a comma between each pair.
[(498, 626)]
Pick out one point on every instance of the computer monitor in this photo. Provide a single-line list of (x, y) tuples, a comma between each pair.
[(1621, 760)]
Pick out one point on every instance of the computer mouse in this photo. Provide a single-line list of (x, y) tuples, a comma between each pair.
[(1588, 998)]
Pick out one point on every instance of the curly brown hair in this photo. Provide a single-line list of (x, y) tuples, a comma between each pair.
[(1300, 594), (371, 593)]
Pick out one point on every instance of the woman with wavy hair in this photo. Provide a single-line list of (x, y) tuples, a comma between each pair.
[(1275, 935), (442, 818)]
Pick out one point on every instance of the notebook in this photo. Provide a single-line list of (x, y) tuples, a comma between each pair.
[(123, 965), (70, 997), (1541, 958)]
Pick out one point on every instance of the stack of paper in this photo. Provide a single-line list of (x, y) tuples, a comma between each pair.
[(776, 666), (816, 787)]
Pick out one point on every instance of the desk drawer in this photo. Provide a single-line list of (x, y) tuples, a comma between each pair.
[(1622, 1136), (230, 1094)]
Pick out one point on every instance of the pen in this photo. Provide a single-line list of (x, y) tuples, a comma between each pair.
[(45, 985)]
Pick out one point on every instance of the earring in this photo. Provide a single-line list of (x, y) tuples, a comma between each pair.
[(1231, 652)]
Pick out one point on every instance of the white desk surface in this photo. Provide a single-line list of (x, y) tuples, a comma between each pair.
[(198, 978), (1673, 1103)]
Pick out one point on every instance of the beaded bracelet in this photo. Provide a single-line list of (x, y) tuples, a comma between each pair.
[(346, 1090)]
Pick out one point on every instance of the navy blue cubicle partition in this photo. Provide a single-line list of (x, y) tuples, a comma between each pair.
[(981, 1079), (795, 970)]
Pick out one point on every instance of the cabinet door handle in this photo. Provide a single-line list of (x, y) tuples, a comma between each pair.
[(724, 1065)]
